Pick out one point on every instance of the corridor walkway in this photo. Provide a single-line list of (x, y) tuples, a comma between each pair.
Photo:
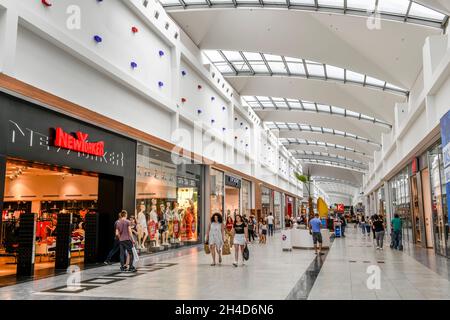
[(270, 274), (344, 274)]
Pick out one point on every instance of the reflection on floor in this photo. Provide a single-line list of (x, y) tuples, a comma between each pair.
[(269, 274), (352, 267)]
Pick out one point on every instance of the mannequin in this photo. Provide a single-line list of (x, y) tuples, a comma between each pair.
[(189, 219), (165, 222), (142, 227), (162, 224), (170, 216), (153, 225), (176, 223)]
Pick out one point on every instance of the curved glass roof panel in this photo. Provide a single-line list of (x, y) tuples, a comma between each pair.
[(398, 10), (333, 180), (318, 155), (242, 63), (309, 128), (304, 142), (269, 103), (333, 164)]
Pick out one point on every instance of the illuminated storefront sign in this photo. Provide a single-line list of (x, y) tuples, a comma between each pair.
[(79, 143)]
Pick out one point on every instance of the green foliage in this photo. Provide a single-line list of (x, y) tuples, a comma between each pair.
[(301, 177)]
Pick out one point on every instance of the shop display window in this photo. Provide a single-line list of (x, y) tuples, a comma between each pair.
[(246, 197), (400, 195), (277, 209), (52, 191), (216, 197), (168, 213), (439, 201)]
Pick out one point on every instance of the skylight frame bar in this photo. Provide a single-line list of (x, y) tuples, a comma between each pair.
[(228, 62), (349, 11)]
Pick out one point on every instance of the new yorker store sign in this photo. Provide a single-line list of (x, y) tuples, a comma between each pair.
[(33, 133)]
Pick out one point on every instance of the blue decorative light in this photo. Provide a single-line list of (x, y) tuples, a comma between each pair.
[(212, 120), (183, 73), (223, 108), (199, 111), (161, 53), (223, 129), (160, 84), (98, 39), (133, 65), (213, 98)]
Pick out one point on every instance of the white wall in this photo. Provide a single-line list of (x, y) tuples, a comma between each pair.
[(38, 48)]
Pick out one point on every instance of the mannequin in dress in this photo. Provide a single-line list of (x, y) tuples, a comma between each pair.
[(189, 219), (162, 224), (142, 226), (153, 225), (165, 219), (176, 223), (169, 222)]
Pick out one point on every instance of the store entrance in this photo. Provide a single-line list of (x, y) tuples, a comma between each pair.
[(46, 191), (232, 202), (416, 209)]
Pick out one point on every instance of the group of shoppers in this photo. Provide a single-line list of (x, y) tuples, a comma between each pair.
[(375, 225), (237, 231)]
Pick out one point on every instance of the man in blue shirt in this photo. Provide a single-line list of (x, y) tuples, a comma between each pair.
[(314, 229)]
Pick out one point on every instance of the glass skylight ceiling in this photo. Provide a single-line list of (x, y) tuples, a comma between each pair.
[(333, 163), (327, 156), (294, 141), (399, 10), (333, 180), (240, 63), (309, 128), (264, 103)]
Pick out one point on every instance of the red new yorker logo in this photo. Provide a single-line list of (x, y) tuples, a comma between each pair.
[(67, 141)]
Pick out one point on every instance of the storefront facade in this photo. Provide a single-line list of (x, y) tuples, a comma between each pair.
[(56, 175), (229, 194), (168, 200)]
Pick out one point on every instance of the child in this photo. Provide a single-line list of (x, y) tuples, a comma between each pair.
[(264, 232)]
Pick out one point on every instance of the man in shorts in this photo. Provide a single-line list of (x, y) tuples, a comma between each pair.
[(314, 229)]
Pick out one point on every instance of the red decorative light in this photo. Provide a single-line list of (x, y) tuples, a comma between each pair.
[(79, 143), (135, 30), (183, 100), (199, 87), (46, 3)]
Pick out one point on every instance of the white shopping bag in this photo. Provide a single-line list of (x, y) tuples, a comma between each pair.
[(135, 256)]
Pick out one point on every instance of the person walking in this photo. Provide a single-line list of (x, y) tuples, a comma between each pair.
[(343, 225), (270, 221), (116, 245), (240, 239), (229, 229), (216, 237), (315, 225), (251, 229), (362, 224), (263, 239), (124, 233), (378, 226), (397, 231), (372, 220), (368, 226)]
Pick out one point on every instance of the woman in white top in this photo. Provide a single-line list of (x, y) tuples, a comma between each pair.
[(215, 237)]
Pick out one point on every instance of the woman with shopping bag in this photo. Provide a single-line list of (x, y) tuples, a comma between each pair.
[(215, 237), (240, 239)]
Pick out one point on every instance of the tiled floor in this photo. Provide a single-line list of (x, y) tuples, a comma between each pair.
[(270, 274), (349, 265)]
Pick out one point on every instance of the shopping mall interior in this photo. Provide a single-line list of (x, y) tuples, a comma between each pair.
[(224, 150)]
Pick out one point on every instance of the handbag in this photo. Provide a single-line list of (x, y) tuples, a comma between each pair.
[(206, 247), (246, 253), (226, 248), (135, 256)]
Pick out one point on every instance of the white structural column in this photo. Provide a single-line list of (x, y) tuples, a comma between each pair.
[(9, 20)]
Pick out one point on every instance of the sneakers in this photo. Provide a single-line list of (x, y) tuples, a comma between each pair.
[(123, 269), (132, 270), (107, 263), (235, 264)]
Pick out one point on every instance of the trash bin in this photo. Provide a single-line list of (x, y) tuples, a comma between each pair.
[(286, 239)]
